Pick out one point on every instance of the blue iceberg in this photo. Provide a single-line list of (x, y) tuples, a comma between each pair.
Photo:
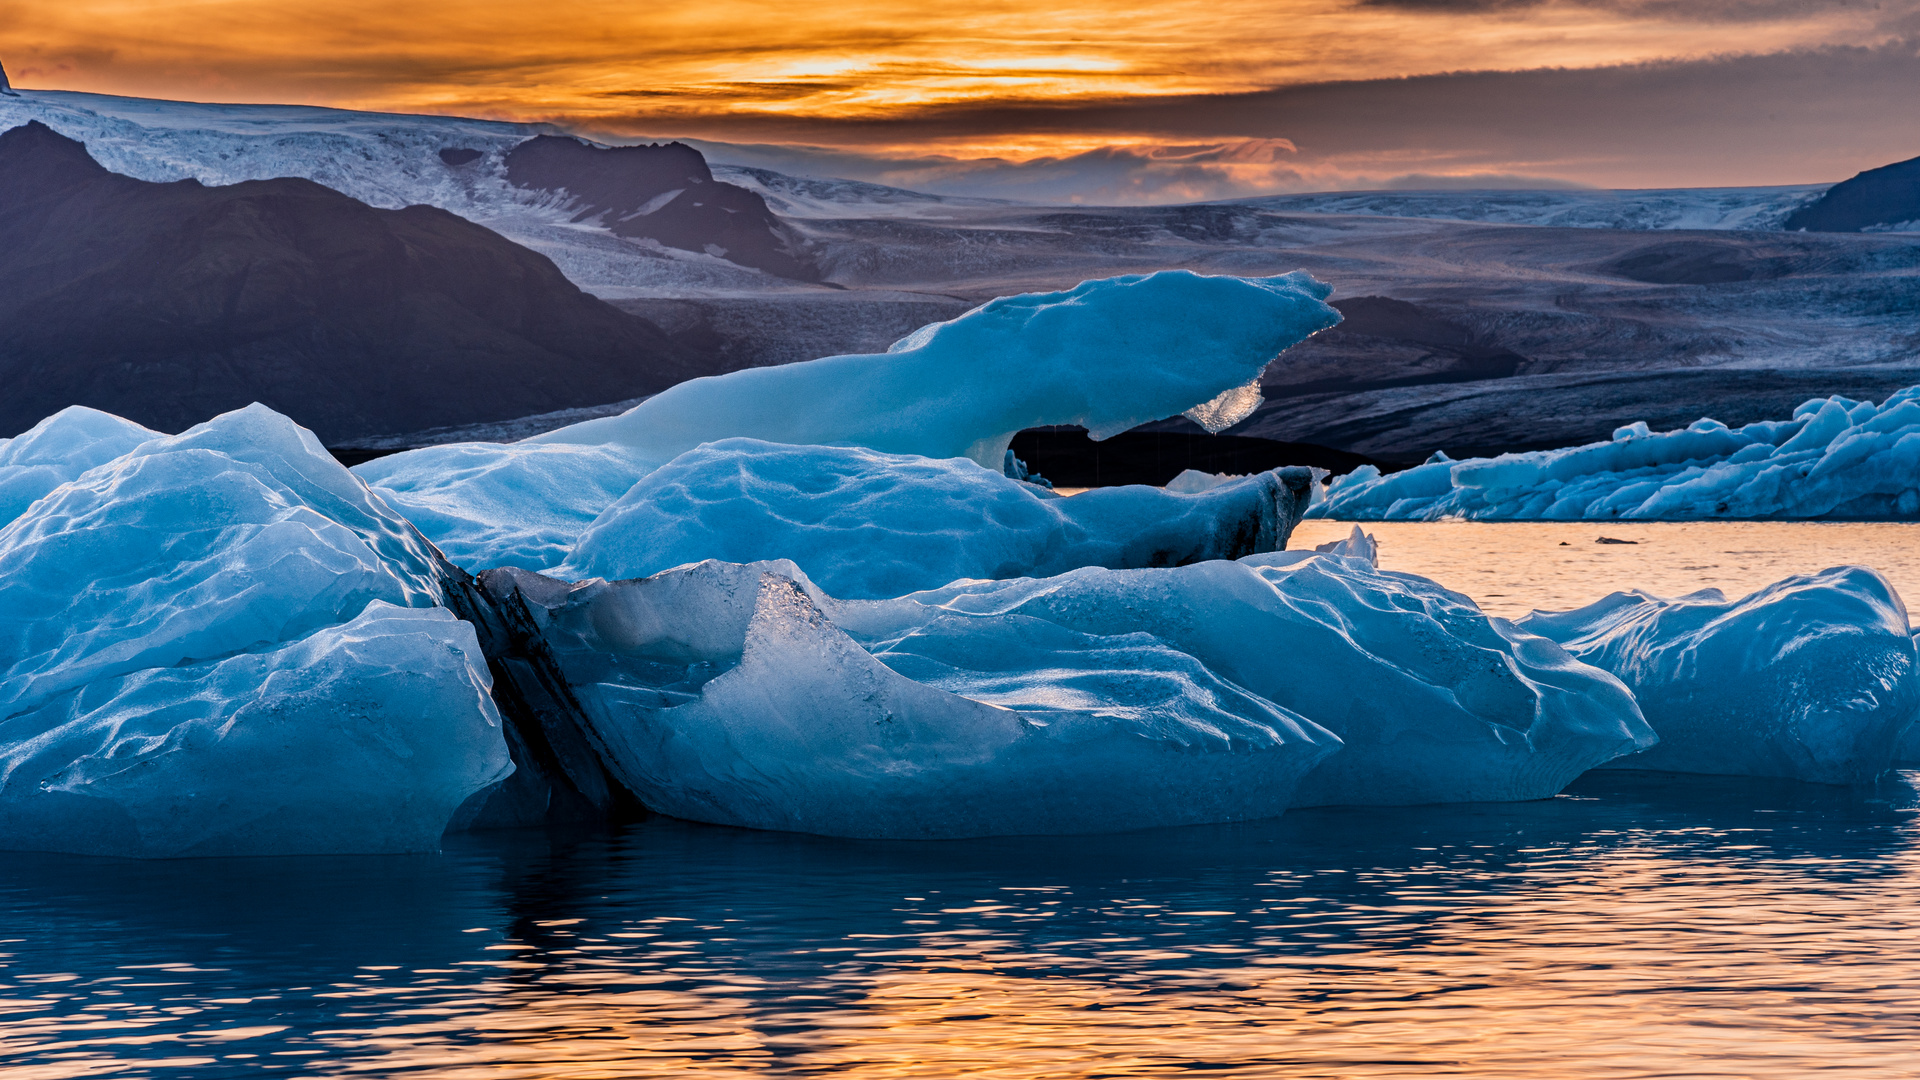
[(221, 642), (864, 524), (1108, 355), (1836, 459), (1812, 678)]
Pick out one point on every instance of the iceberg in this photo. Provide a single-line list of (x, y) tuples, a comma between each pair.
[(726, 693), (224, 596), (59, 449), (1107, 354), (361, 737), (915, 523), (1433, 700), (1811, 678), (1835, 459), (1097, 700)]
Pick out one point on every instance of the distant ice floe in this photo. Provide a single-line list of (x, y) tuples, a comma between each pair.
[(1811, 678), (1836, 459)]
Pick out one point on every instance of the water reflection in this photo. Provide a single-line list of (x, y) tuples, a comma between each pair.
[(1511, 568), (1638, 926)]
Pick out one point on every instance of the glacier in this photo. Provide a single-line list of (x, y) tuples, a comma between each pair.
[(219, 607), (1834, 459), (1107, 354), (1812, 678), (917, 523)]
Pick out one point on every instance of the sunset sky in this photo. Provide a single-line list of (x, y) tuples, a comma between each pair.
[(1116, 100)]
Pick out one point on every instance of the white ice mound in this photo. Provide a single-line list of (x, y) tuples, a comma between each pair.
[(723, 693), (1836, 458), (1433, 700), (1107, 355), (58, 449), (488, 504), (211, 555), (864, 524), (363, 737), (1811, 678)]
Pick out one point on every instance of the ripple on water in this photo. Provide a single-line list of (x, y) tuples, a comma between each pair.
[(1639, 926)]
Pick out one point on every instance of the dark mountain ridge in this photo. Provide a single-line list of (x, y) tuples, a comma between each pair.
[(662, 192), (168, 303), (1888, 195)]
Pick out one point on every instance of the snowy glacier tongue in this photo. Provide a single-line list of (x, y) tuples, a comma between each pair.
[(1811, 678), (1836, 458)]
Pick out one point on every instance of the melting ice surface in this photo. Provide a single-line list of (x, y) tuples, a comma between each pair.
[(1836, 458)]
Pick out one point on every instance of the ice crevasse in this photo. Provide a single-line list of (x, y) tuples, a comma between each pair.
[(1835, 458)]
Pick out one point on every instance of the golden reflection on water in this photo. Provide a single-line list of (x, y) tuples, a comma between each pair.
[(1512, 568), (1726, 931)]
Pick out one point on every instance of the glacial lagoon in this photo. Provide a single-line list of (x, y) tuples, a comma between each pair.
[(1638, 925)]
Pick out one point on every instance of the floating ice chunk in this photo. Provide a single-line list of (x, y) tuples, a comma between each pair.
[(239, 533), (1193, 481), (220, 642), (1107, 355), (868, 524), (1357, 545), (58, 449), (1811, 678), (1836, 459), (494, 504), (1435, 701), (357, 738), (723, 693)]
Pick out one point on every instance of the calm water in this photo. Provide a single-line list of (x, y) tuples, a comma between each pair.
[(1512, 568), (1637, 926)]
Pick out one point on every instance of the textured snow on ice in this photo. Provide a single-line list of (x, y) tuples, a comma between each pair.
[(866, 524), (1811, 678), (1107, 355), (228, 544), (57, 450), (1836, 458), (724, 693)]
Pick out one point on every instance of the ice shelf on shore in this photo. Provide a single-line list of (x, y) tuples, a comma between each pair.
[(916, 523), (1107, 354), (1835, 459), (222, 643), (1811, 678)]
